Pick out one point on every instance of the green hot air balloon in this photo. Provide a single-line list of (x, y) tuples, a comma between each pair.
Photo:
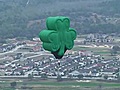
[(58, 37)]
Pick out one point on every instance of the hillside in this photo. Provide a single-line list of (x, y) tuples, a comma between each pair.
[(25, 18), (111, 8)]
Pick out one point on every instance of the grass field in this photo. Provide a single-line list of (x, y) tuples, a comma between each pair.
[(105, 52), (96, 50), (64, 85)]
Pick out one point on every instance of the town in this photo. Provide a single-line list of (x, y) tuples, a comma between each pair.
[(27, 58)]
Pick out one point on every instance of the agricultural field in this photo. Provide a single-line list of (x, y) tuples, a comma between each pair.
[(105, 52), (64, 85)]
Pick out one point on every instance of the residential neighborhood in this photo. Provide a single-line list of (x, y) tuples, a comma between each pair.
[(99, 38), (25, 58)]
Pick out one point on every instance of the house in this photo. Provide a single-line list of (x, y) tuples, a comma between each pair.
[(108, 72), (18, 71), (74, 73), (31, 43), (26, 68), (85, 53), (36, 48), (8, 72), (2, 66), (94, 73), (85, 72), (36, 39), (59, 73), (36, 73)]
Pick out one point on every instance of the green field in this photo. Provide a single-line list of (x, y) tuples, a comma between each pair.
[(70, 84), (104, 52), (54, 85)]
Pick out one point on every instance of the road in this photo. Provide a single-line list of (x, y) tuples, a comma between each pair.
[(40, 54), (13, 50), (25, 76)]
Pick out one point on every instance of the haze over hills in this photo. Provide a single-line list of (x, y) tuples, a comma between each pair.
[(25, 18)]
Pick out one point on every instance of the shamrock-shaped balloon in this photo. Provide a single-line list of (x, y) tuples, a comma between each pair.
[(58, 37)]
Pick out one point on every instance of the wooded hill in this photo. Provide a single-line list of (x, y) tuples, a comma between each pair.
[(25, 18)]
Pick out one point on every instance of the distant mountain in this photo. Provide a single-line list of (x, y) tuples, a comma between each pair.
[(17, 15), (111, 7)]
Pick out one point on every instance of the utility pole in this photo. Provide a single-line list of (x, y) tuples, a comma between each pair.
[(119, 74), (58, 72), (58, 66)]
